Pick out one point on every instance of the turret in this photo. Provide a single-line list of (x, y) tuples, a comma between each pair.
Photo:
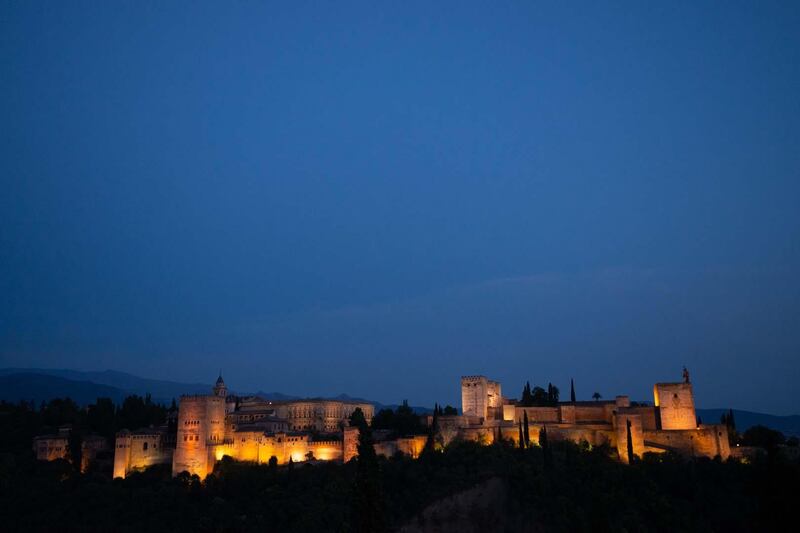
[(219, 388)]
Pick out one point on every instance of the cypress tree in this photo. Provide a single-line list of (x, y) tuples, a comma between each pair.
[(521, 437), (527, 399), (367, 503), (730, 422), (572, 390), (630, 442), (545, 446), (430, 443), (525, 431)]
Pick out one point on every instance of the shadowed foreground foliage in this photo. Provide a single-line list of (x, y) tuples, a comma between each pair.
[(578, 490)]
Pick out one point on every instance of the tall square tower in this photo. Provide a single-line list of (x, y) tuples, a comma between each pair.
[(675, 402), (478, 395)]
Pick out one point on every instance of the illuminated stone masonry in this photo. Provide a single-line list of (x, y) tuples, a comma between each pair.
[(668, 425), (210, 427)]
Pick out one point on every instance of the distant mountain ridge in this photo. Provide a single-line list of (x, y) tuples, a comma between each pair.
[(162, 390), (34, 387), (85, 387), (788, 425)]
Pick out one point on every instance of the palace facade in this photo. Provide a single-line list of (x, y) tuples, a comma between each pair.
[(209, 427), (249, 428)]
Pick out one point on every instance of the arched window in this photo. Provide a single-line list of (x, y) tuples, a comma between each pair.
[(144, 446)]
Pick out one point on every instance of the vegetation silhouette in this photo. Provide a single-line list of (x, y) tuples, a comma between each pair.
[(558, 486)]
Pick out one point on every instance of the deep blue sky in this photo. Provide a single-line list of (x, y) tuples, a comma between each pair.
[(376, 198)]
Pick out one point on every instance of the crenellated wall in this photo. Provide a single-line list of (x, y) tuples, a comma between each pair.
[(704, 441), (252, 429), (139, 450)]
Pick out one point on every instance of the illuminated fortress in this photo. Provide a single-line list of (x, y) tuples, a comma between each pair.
[(670, 424), (250, 428), (209, 427)]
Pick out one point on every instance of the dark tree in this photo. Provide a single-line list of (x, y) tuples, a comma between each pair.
[(368, 513), (730, 424), (597, 396), (630, 442), (406, 421), (764, 437), (539, 396), (60, 412), (527, 398), (545, 446), (449, 410), (521, 437), (572, 390), (525, 430), (383, 419), (357, 419), (430, 442), (403, 421), (552, 394), (137, 412), (100, 417)]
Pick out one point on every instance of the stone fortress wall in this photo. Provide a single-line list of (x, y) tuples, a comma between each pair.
[(210, 427), (139, 450), (669, 425)]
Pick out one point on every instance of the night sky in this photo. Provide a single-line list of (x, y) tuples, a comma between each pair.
[(376, 198)]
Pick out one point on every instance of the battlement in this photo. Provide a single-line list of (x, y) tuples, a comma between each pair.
[(201, 398), (253, 429), (325, 443)]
